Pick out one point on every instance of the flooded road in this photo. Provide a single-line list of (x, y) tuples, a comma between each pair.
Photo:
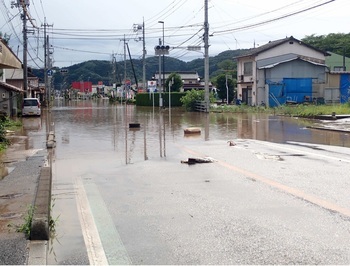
[(121, 196)]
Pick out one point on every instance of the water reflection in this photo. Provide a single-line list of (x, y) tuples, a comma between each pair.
[(98, 125)]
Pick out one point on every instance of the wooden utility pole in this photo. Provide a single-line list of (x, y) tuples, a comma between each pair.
[(46, 63), (206, 55)]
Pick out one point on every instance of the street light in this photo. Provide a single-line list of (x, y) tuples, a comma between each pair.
[(162, 22)]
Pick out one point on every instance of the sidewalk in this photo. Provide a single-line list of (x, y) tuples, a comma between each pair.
[(19, 190)]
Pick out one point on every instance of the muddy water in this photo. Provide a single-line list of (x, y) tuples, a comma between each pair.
[(96, 124), (94, 139)]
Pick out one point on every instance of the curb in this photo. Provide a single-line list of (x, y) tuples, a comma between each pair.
[(41, 217), (40, 227)]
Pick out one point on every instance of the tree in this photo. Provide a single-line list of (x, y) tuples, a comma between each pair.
[(176, 82), (192, 96), (226, 65), (334, 42), (222, 89)]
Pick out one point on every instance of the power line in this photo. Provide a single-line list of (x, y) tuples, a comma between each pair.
[(271, 20)]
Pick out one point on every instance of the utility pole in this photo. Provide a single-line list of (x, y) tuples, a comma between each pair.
[(144, 55), (125, 91), (46, 63), (124, 41), (25, 50), (49, 72), (206, 55), (23, 4), (160, 79), (138, 27), (161, 50)]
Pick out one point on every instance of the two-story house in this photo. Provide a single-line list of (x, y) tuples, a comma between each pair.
[(191, 80), (279, 72), (8, 92), (15, 77)]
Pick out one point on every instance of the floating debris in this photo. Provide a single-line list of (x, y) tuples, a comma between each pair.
[(134, 125), (199, 160), (231, 143), (192, 130)]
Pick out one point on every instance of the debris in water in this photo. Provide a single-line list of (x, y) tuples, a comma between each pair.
[(231, 143), (199, 160)]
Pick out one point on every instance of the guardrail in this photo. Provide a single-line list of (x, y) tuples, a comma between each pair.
[(201, 106)]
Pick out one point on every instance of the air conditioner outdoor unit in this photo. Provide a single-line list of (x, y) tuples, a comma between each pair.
[(4, 95)]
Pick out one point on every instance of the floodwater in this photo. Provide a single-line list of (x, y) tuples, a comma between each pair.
[(94, 140), (109, 124)]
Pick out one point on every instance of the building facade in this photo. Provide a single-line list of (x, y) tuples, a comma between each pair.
[(279, 72), (9, 94)]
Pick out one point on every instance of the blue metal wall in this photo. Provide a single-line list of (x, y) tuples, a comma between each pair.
[(290, 89), (344, 88)]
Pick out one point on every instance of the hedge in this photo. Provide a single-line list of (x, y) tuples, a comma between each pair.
[(146, 99)]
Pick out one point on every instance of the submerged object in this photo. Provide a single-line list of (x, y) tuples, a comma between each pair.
[(134, 125), (192, 130)]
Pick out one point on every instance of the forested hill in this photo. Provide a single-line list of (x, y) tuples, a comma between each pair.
[(95, 70)]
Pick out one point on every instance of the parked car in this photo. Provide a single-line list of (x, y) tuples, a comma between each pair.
[(31, 106)]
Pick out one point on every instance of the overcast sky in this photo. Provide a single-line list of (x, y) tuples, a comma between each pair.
[(81, 30)]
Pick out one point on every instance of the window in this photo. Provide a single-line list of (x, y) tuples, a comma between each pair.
[(30, 102), (339, 68), (248, 69)]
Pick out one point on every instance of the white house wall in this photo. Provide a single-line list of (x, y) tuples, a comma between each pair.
[(293, 48)]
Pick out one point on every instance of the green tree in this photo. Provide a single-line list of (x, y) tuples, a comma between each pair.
[(226, 65), (222, 89), (192, 96), (176, 82), (334, 42)]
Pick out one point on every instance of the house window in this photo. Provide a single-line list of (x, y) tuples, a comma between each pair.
[(248, 69), (339, 68)]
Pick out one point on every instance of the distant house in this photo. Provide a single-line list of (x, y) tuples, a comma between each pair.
[(82, 86), (281, 71), (191, 79), (15, 78), (8, 93)]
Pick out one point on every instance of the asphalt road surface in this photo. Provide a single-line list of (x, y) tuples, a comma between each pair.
[(121, 198)]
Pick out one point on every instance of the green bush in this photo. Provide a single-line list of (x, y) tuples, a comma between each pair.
[(192, 96), (146, 99), (6, 123)]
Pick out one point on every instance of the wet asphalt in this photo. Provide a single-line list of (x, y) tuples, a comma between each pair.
[(18, 190), (22, 181)]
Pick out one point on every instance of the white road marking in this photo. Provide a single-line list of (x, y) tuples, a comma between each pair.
[(92, 239), (305, 152)]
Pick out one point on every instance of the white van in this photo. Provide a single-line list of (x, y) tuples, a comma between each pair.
[(31, 106)]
